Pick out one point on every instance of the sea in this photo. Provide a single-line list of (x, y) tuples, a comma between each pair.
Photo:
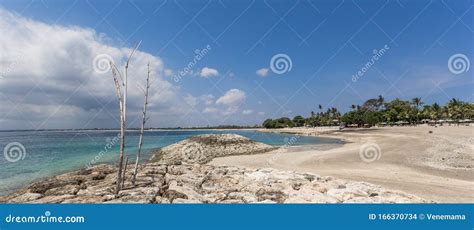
[(29, 156)]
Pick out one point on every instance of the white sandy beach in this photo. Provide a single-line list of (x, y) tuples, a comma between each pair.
[(438, 166)]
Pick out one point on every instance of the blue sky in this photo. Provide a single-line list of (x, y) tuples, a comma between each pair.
[(327, 42)]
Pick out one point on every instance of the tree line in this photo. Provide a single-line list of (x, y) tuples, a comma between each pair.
[(377, 110)]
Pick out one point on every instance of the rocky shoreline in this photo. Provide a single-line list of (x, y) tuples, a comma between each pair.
[(203, 148), (160, 183), (173, 180)]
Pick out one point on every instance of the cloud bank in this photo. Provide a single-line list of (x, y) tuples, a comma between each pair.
[(48, 78)]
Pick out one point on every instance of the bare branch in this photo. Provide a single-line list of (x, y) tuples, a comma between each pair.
[(131, 54), (144, 119), (117, 84), (114, 68)]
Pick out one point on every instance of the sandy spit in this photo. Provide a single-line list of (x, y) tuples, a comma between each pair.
[(437, 166)]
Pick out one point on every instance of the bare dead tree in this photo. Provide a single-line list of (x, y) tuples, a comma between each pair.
[(122, 98), (124, 171), (142, 128), (118, 89)]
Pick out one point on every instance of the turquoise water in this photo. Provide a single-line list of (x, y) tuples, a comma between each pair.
[(48, 153)]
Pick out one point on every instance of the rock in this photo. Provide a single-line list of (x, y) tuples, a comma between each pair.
[(52, 199), (65, 190), (140, 191), (25, 197), (97, 190), (88, 199), (43, 186), (131, 200), (203, 148), (309, 194), (180, 191), (196, 183), (161, 200), (271, 194), (186, 201)]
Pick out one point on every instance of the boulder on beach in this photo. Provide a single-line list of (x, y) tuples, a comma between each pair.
[(201, 149)]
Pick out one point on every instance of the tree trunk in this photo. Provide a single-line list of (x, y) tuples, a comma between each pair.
[(124, 172), (142, 129), (123, 114), (122, 149)]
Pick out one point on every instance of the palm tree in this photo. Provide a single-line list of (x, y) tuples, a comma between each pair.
[(454, 109), (436, 111), (380, 101), (417, 102)]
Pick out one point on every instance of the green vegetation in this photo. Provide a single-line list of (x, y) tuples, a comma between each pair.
[(376, 111)]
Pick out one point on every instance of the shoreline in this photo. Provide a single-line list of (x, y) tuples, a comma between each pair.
[(147, 160), (437, 166), (396, 170)]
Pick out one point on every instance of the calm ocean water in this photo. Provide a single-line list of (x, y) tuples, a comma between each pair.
[(49, 153)]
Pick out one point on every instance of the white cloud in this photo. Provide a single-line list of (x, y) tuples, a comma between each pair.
[(48, 74), (233, 97), (261, 113), (208, 99), (230, 110), (247, 112), (168, 72), (263, 72), (226, 105), (190, 100), (208, 72), (210, 110)]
